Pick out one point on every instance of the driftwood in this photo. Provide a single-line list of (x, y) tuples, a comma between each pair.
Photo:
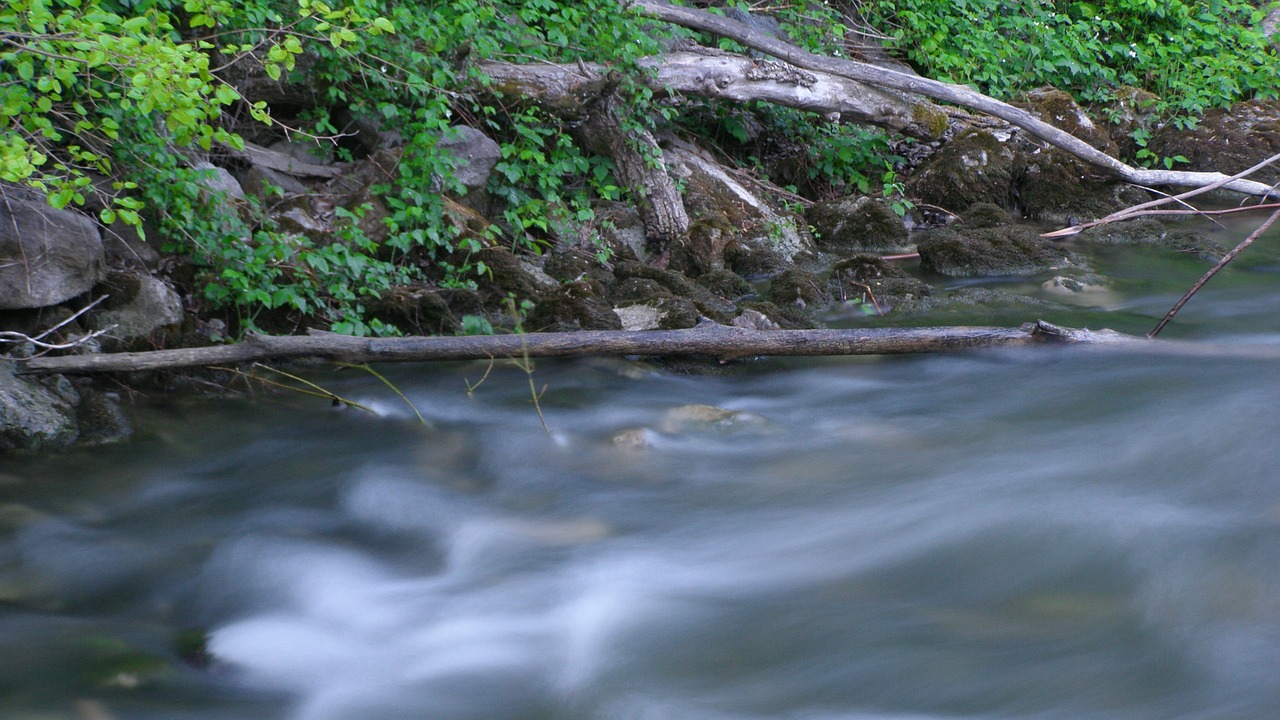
[(708, 339), (957, 94)]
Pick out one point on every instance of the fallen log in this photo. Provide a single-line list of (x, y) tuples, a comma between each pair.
[(707, 339), (568, 88), (877, 76)]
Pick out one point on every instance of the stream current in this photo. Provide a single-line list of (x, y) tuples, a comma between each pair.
[(1052, 534)]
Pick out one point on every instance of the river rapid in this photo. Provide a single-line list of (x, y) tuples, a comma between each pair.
[(1048, 534)]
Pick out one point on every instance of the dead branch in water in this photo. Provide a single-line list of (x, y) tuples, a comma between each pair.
[(708, 339)]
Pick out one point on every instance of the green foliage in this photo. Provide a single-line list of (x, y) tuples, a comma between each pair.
[(1193, 55)]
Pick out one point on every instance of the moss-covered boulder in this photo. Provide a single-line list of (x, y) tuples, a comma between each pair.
[(985, 215), (1227, 141), (1130, 109), (725, 283), (752, 262), (1060, 110), (508, 276), (979, 166), (573, 306), (713, 306), (572, 265), (1153, 233), (857, 224), (725, 208), (799, 288), (415, 310), (1059, 188), (790, 317), (885, 286), (1007, 250)]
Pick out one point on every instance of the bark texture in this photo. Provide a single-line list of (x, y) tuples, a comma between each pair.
[(708, 339), (703, 72)]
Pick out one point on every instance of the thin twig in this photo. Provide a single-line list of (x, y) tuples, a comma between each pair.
[(1214, 271)]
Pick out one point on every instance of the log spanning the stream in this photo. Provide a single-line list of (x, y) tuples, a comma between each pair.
[(708, 339)]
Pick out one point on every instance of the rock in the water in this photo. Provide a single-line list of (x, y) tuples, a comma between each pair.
[(47, 256), (32, 416), (858, 224), (877, 285), (1008, 250), (800, 288), (708, 418)]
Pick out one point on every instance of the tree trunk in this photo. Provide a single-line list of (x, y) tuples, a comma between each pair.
[(708, 339), (637, 162)]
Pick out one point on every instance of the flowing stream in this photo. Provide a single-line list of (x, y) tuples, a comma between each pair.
[(1034, 534)]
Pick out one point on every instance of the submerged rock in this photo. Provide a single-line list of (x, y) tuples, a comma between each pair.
[(708, 418)]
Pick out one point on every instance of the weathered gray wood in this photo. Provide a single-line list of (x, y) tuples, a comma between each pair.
[(568, 88), (957, 94), (708, 339)]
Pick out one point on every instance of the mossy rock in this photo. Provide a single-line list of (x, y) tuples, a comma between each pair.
[(1153, 233), (507, 276), (1009, 250), (985, 215), (572, 265), (975, 167), (1227, 141), (573, 306), (709, 304), (792, 317), (1060, 110), (677, 313), (637, 290), (857, 224), (702, 250), (1057, 187), (1130, 109), (726, 284), (416, 310), (752, 262), (799, 288), (892, 287)]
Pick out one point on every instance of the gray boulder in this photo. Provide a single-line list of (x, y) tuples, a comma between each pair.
[(474, 155), (47, 256), (139, 307), (32, 416)]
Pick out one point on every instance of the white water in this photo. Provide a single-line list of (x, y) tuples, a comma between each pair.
[(1055, 535)]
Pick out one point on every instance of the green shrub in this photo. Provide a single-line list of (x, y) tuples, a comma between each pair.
[(1193, 55)]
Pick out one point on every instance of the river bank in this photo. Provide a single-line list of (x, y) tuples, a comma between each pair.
[(966, 213)]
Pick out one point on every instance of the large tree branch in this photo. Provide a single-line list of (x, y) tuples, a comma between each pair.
[(568, 88), (957, 94), (707, 339)]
